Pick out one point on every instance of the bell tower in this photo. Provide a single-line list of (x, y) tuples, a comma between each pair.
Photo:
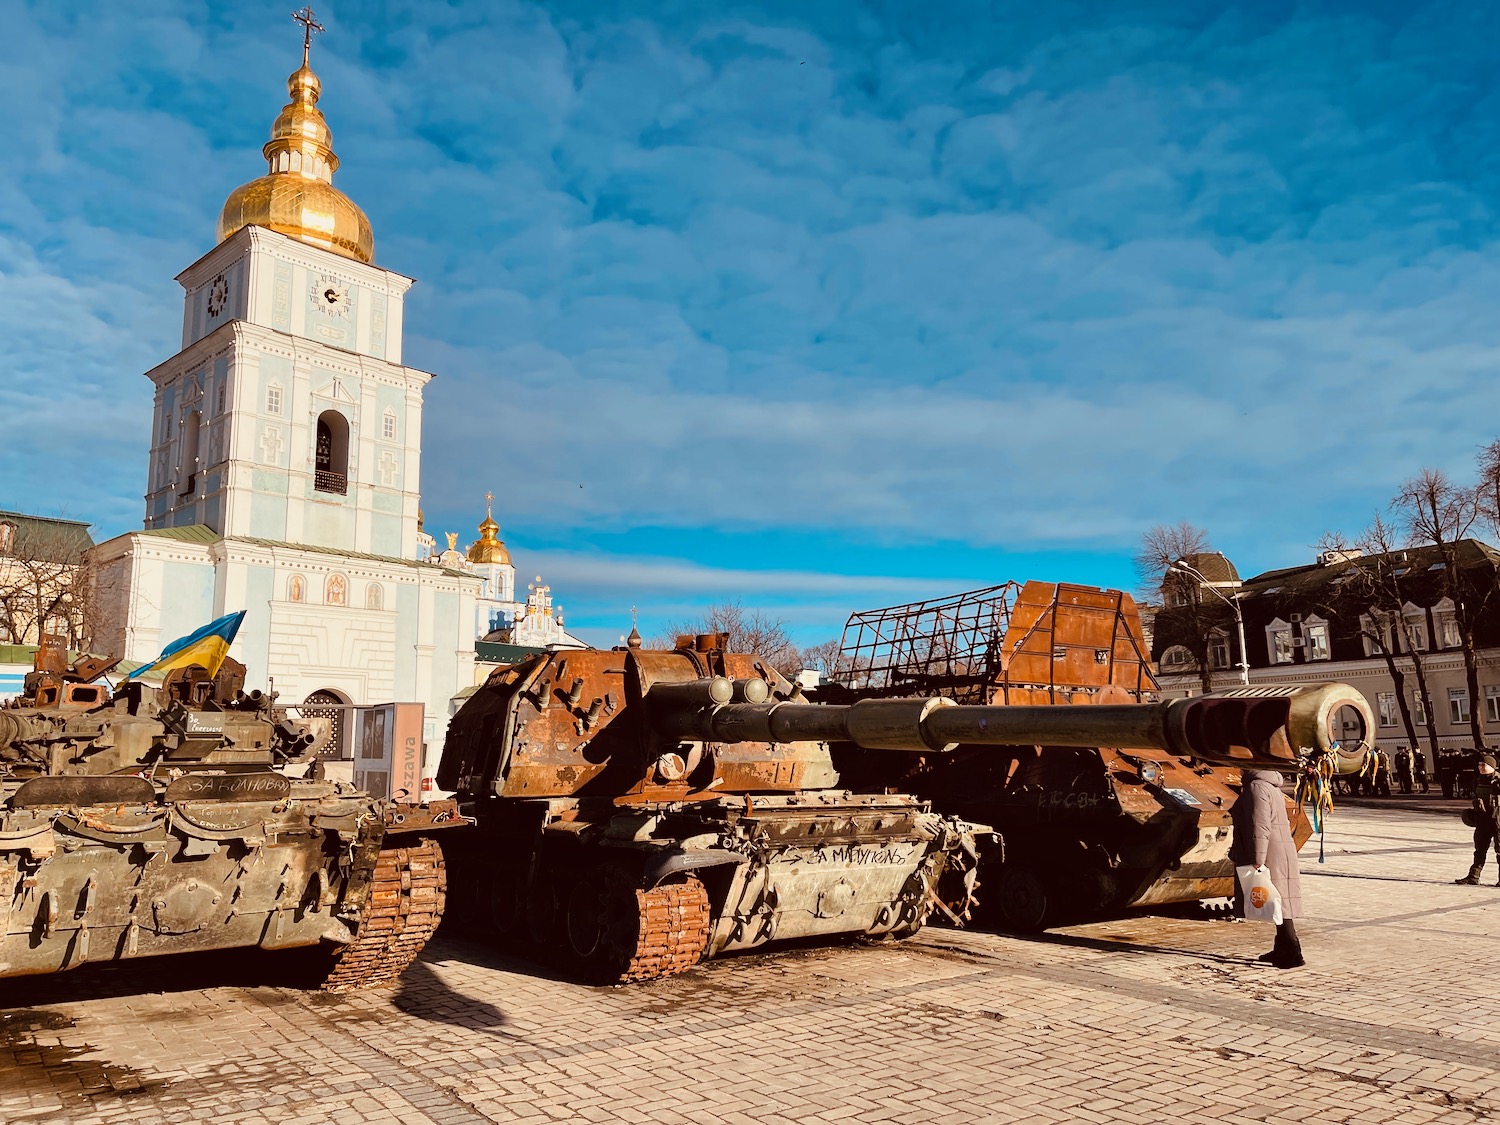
[(287, 415)]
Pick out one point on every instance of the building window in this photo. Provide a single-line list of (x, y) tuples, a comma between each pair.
[(1176, 657), (273, 399), (1418, 709), (188, 469), (1385, 704), (1492, 703), (1448, 633), (296, 589), (1280, 637), (388, 425), (337, 592), (7, 537), (331, 463), (1458, 705), (374, 596), (219, 400), (1316, 636), (1416, 627), (1218, 651)]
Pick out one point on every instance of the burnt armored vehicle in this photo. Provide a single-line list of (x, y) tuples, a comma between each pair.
[(159, 820), (611, 834), (638, 811), (1097, 827)]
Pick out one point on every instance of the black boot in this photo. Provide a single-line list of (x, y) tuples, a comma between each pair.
[(1288, 951), (1276, 948), (1472, 878)]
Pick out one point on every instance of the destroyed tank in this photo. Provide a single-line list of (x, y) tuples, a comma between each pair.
[(164, 820), (636, 811), (1107, 824)]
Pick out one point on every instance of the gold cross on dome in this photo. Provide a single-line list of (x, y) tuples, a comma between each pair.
[(489, 503), (309, 24)]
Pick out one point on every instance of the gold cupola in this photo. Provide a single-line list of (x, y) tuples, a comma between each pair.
[(489, 548), (297, 196)]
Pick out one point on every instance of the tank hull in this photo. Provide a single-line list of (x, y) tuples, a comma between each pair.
[(85, 883), (759, 870)]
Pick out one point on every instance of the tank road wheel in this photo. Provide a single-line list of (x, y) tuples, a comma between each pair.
[(620, 933), (404, 908), (1022, 900)]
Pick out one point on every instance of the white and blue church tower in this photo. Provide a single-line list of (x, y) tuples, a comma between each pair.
[(285, 466)]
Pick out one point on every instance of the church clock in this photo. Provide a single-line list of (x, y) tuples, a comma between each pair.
[(218, 295), (330, 296)]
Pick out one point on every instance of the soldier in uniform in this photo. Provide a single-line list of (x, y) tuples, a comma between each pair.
[(1486, 811), (1403, 768), (1419, 762)]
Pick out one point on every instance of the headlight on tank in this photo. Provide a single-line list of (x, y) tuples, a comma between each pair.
[(1150, 772)]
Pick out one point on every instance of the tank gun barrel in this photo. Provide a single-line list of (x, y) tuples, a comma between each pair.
[(1266, 727)]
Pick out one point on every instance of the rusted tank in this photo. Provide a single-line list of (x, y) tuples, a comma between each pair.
[(614, 837), (638, 811), (166, 820), (1093, 814)]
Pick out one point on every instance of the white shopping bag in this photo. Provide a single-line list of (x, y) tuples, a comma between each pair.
[(1262, 899)]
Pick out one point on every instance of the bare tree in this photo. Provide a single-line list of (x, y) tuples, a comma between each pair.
[(827, 657), (46, 584), (745, 631), (1188, 619), (1438, 512), (1370, 593)]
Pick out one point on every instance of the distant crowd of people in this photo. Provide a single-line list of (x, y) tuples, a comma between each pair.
[(1457, 774)]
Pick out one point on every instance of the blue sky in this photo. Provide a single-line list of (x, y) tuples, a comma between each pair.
[(818, 306)]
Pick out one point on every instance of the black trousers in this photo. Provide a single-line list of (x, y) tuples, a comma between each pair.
[(1485, 836)]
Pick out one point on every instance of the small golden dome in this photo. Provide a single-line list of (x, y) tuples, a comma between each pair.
[(488, 548), (297, 197)]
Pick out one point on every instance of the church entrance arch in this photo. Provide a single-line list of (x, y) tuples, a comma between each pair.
[(326, 703)]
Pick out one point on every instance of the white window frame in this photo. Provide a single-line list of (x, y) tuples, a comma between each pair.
[(1218, 650), (388, 425), (274, 399), (1276, 631), (1418, 712), (1177, 657), (1387, 713), (1492, 703), (1316, 629), (1458, 705)]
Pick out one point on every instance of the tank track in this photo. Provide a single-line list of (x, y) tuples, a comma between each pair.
[(405, 906), (672, 934)]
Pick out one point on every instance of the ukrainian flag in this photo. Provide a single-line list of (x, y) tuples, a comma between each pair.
[(208, 647)]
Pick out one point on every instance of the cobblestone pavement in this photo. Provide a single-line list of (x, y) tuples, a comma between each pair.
[(1150, 1019)]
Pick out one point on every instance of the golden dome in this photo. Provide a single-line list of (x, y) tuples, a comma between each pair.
[(297, 197), (488, 548)]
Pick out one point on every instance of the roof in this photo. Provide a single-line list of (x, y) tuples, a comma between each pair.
[(498, 652), (47, 539), (198, 533), (1302, 580), (1215, 568)]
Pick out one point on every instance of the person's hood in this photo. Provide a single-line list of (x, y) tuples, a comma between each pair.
[(1270, 777)]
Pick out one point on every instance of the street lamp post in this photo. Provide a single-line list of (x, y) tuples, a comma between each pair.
[(1233, 604)]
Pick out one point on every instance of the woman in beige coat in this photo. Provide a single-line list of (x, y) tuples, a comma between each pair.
[(1263, 838)]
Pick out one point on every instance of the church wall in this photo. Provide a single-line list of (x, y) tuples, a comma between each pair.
[(253, 644), (408, 613), (268, 510), (186, 597)]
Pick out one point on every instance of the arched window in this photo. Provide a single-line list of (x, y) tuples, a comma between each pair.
[(330, 705), (1177, 657), (331, 462), (296, 589), (388, 425), (188, 468), (337, 591), (374, 596)]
